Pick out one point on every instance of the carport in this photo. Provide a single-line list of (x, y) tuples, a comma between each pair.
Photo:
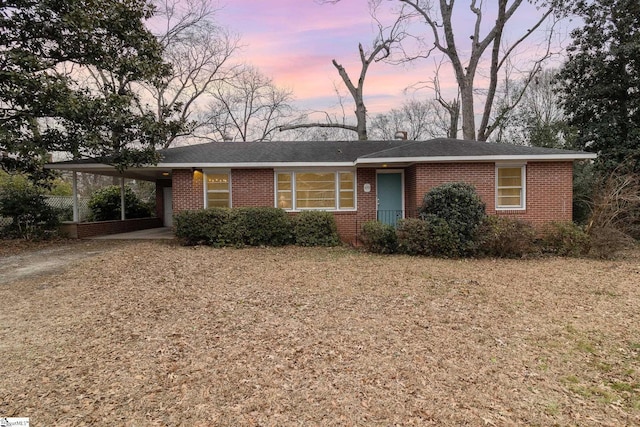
[(161, 177)]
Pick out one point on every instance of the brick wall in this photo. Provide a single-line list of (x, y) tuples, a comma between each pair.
[(549, 190), (252, 187), (188, 190), (549, 187), (81, 230), (412, 199)]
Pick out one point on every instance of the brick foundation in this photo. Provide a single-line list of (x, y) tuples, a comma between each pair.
[(82, 230)]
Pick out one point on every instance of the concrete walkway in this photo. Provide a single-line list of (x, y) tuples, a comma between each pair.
[(149, 234)]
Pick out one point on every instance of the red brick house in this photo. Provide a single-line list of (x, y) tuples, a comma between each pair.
[(357, 180)]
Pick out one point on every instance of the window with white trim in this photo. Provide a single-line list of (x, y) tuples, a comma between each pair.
[(323, 190), (510, 187), (217, 190)]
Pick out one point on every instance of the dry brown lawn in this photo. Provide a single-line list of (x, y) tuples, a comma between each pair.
[(150, 333)]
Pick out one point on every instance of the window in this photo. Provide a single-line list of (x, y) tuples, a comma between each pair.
[(510, 187), (217, 188), (347, 191), (284, 191), (315, 190)]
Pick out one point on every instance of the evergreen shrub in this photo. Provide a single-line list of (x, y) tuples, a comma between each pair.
[(202, 227), (459, 205), (315, 228), (564, 239), (379, 238), (505, 237), (30, 216), (104, 204), (263, 226)]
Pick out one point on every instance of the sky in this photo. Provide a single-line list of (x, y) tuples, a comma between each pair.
[(294, 42)]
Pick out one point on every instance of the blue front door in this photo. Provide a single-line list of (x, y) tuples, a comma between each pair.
[(389, 187)]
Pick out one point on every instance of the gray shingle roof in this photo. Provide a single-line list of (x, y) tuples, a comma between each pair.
[(274, 152), (310, 153), (348, 151)]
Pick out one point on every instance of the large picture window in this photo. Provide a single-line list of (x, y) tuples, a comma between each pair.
[(510, 187), (217, 189), (315, 190)]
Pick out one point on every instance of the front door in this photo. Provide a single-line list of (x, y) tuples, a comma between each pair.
[(390, 197)]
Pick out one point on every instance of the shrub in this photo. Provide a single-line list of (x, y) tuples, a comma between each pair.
[(413, 236), (104, 204), (315, 228), (505, 238), (202, 227), (259, 226), (606, 242), (430, 236), (564, 239), (378, 237), (460, 206), (30, 216)]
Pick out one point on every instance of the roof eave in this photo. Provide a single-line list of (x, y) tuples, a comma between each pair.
[(491, 158)]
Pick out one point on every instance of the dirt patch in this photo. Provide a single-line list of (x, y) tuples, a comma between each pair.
[(21, 259), (155, 334)]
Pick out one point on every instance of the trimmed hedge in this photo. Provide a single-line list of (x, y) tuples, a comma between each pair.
[(379, 238), (315, 228), (430, 236), (263, 226), (258, 227), (202, 227)]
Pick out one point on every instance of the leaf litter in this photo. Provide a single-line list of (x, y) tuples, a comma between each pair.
[(151, 333)]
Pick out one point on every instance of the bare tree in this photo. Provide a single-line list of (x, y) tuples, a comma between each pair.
[(535, 116), (200, 52), (420, 119), (249, 107), (487, 45), (450, 107), (381, 50)]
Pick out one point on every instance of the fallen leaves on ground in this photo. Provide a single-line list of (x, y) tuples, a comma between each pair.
[(151, 333)]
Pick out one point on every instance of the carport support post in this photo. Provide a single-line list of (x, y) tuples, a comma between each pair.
[(122, 216), (74, 187)]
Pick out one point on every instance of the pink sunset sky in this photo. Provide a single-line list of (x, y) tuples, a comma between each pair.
[(294, 41)]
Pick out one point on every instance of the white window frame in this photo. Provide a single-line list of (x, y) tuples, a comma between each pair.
[(336, 173), (523, 188), (206, 172)]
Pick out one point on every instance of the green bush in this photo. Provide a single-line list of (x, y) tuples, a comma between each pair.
[(104, 204), (202, 227), (315, 228), (413, 236), (430, 236), (379, 238), (30, 216), (564, 239), (259, 227), (505, 237), (234, 227), (460, 206)]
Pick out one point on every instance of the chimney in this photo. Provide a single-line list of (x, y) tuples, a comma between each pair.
[(400, 135), (227, 138)]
